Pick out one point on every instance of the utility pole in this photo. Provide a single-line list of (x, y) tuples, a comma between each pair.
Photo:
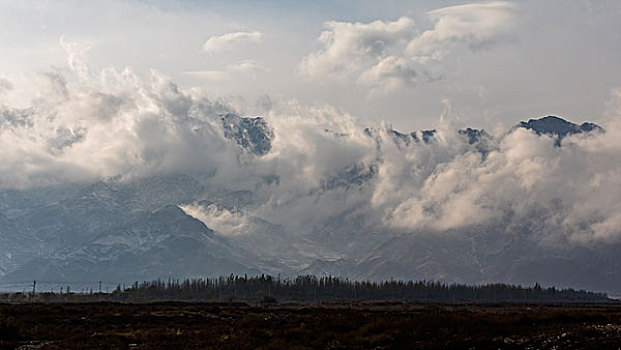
[(34, 288)]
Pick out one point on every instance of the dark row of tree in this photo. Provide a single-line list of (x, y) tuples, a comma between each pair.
[(267, 289), (311, 288)]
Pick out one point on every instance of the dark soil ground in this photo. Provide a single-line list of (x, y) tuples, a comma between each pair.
[(175, 325)]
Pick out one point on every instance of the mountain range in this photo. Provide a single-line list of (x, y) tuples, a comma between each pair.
[(186, 224)]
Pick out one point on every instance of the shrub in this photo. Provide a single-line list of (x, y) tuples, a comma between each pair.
[(9, 329)]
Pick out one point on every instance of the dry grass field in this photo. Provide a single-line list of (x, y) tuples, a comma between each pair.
[(177, 325)]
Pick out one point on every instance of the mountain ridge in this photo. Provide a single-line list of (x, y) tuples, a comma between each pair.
[(136, 229)]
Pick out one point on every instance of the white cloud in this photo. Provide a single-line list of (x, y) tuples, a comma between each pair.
[(385, 56), (209, 74), (351, 49), (76, 55), (243, 69), (391, 73), (347, 46), (224, 42), (474, 27), (247, 66), (221, 220)]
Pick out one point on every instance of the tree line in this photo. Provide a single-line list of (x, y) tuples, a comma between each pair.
[(309, 288)]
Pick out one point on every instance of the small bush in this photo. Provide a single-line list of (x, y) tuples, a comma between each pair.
[(9, 329)]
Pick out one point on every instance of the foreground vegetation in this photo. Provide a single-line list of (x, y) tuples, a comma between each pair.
[(177, 325)]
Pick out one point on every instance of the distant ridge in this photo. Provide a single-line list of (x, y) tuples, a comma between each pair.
[(558, 127)]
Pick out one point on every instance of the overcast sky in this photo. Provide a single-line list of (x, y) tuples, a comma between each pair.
[(480, 63)]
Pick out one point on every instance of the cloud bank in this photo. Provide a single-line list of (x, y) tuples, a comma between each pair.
[(113, 124)]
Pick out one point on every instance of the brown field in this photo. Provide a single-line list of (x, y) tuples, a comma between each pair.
[(176, 325)]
